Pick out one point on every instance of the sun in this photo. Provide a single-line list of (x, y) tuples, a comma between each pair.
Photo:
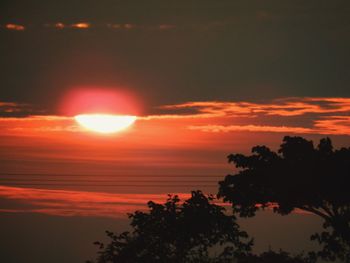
[(105, 123)]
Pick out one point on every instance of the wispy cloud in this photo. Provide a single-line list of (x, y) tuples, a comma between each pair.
[(251, 128), (334, 125), (89, 25), (59, 25), (75, 203), (11, 109), (282, 107), (15, 27), (81, 25), (286, 115), (38, 123), (303, 115)]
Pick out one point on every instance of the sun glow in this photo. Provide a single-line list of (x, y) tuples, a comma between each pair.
[(105, 123)]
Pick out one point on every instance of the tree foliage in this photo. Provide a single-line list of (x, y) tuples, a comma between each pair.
[(178, 232), (297, 176)]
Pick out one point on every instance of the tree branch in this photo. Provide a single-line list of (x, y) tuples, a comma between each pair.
[(315, 211)]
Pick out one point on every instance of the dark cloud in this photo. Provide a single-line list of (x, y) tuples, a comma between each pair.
[(175, 52), (14, 109)]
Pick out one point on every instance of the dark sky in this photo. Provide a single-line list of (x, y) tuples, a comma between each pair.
[(176, 51)]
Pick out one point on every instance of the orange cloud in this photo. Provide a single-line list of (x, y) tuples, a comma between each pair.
[(282, 107), (252, 128), (124, 26), (15, 27), (324, 116), (59, 25), (334, 125), (76, 203), (35, 124), (81, 25)]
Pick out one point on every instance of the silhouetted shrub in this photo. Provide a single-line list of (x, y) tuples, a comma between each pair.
[(175, 232)]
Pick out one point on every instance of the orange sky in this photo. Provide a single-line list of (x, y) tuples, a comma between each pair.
[(183, 140), (190, 138), (75, 203)]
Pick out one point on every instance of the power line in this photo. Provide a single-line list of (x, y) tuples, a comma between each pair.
[(107, 185), (108, 175), (103, 181)]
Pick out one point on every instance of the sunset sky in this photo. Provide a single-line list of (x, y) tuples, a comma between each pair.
[(203, 78)]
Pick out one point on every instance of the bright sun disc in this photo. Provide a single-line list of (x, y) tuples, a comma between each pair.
[(104, 123)]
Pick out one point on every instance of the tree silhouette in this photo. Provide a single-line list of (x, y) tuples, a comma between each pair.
[(298, 176), (178, 232)]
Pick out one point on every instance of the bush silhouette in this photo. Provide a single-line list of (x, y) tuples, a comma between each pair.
[(178, 232), (298, 176)]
